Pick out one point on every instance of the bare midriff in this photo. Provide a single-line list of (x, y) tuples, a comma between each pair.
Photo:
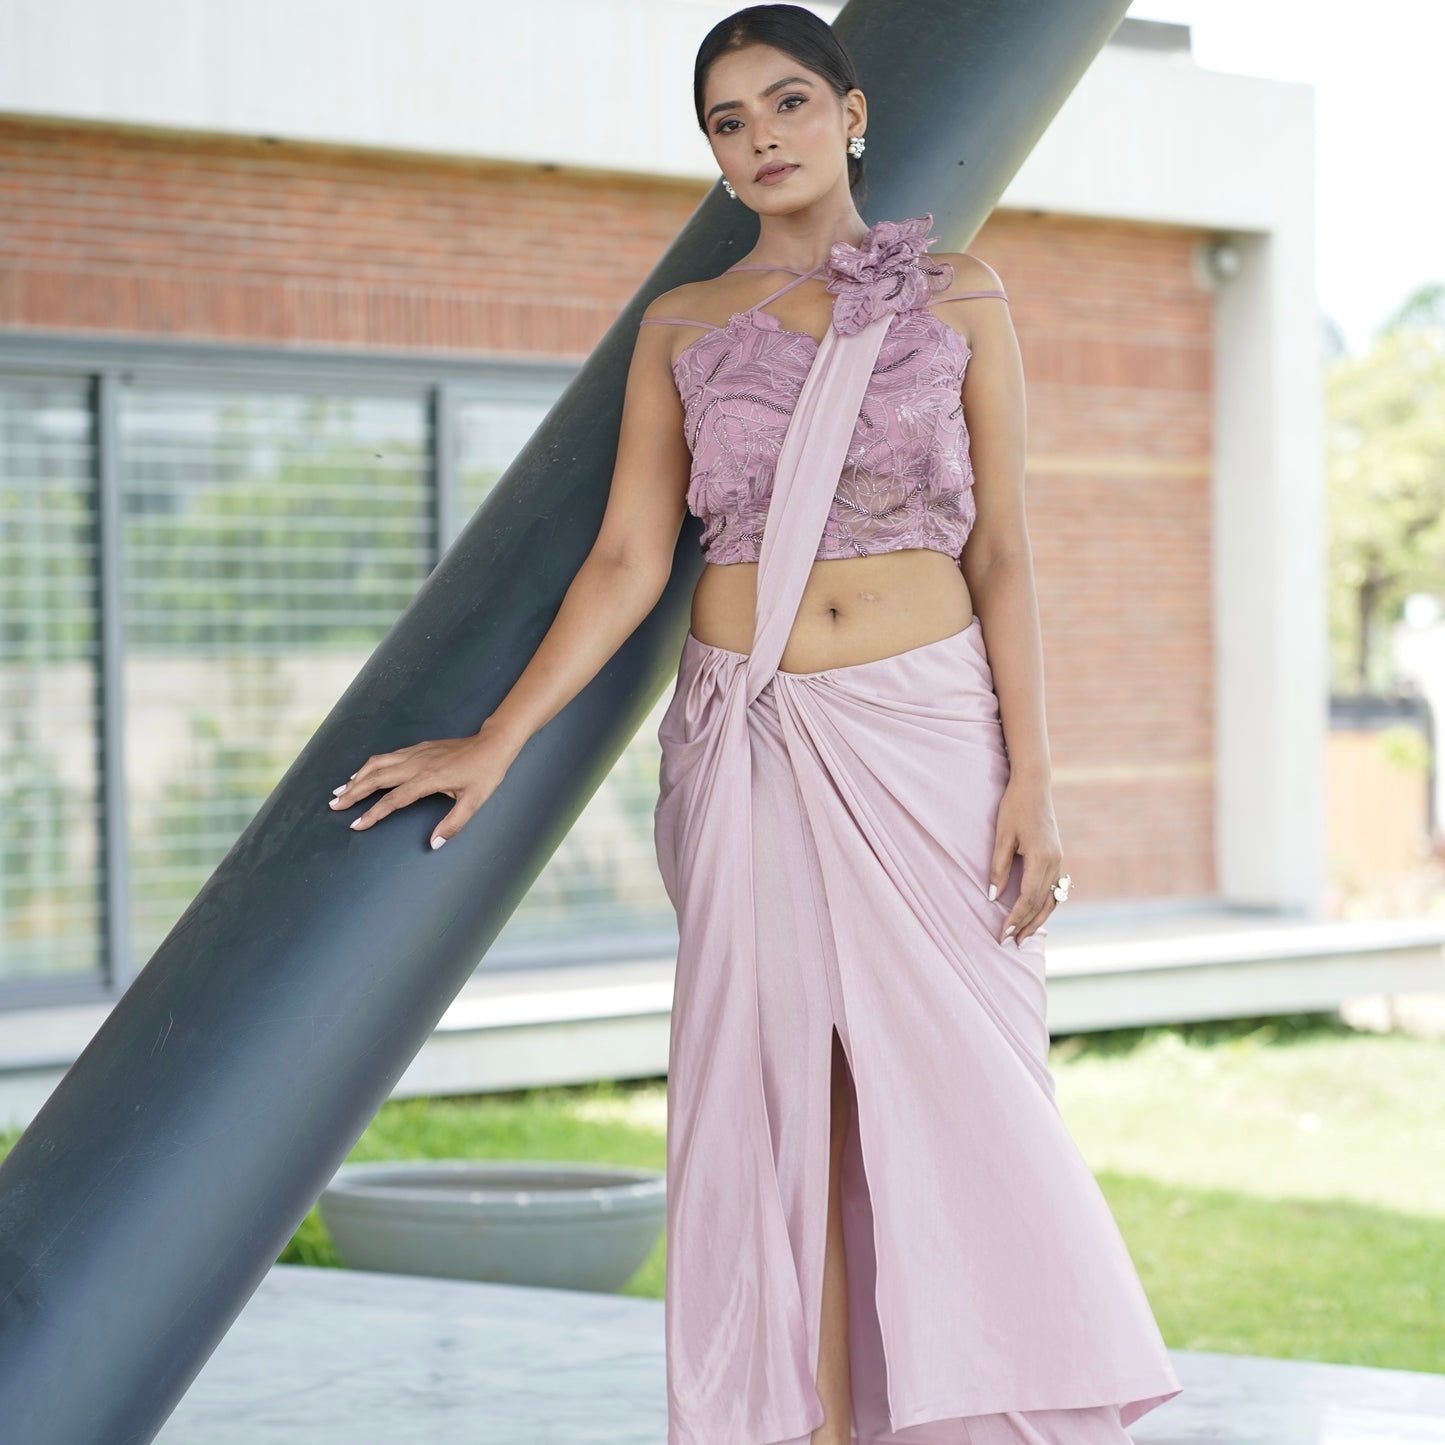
[(853, 609)]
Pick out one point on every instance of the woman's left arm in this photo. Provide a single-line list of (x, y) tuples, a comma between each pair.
[(997, 564)]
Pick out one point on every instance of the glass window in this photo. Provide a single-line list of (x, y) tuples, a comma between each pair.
[(271, 539), (50, 858)]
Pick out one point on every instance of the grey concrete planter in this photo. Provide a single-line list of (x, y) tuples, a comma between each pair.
[(568, 1226)]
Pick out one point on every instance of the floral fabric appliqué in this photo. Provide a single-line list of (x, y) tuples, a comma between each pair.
[(887, 272)]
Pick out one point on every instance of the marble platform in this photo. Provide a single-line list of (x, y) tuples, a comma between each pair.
[(345, 1357)]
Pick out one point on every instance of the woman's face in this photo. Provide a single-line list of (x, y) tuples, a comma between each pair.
[(761, 108)]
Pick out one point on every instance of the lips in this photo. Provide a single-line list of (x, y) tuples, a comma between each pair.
[(773, 170)]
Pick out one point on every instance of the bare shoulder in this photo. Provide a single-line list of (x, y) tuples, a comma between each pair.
[(703, 306), (970, 273), (972, 317), (692, 300)]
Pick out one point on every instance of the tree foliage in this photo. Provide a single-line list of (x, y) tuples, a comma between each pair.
[(1385, 460)]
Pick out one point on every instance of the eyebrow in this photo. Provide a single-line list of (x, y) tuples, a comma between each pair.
[(776, 85)]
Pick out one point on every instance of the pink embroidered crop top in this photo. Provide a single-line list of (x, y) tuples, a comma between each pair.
[(907, 480)]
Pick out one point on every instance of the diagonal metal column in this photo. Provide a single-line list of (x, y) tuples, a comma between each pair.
[(172, 1163)]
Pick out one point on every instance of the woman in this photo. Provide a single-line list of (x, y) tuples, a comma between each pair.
[(861, 869)]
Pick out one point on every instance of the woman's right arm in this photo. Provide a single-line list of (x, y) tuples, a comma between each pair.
[(617, 585), (627, 568)]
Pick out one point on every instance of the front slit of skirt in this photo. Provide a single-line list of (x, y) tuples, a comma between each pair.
[(857, 1210)]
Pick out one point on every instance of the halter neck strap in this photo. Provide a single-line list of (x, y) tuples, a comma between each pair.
[(798, 276)]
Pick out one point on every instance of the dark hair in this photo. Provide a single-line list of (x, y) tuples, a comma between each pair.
[(795, 31)]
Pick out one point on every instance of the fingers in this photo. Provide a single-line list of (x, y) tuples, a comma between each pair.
[(1004, 847), (456, 820), (369, 777), (1036, 896), (1036, 892), (403, 772), (365, 781), (457, 767), (1036, 920), (403, 794)]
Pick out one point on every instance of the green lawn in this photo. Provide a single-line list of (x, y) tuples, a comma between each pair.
[(1281, 1183)]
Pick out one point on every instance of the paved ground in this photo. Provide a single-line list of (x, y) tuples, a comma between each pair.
[(322, 1355)]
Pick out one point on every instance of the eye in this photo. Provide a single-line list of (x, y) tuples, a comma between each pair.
[(802, 99)]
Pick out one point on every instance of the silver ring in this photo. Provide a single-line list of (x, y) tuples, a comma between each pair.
[(1061, 889)]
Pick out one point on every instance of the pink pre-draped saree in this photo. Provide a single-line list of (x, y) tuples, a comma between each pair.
[(825, 839)]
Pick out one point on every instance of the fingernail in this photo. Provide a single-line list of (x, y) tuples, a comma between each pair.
[(356, 823), (437, 842), (1009, 929), (339, 788), (992, 891)]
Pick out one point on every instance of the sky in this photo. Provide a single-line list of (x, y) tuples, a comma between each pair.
[(1380, 174)]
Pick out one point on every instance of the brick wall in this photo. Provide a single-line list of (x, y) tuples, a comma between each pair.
[(1116, 338), (236, 240), (219, 239)]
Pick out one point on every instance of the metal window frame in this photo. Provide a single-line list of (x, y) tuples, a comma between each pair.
[(110, 364)]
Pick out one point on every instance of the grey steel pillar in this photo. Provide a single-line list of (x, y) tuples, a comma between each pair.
[(173, 1162)]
